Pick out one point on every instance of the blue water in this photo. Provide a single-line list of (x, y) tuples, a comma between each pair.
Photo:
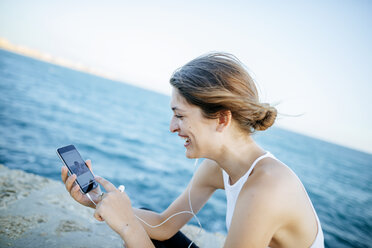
[(124, 131)]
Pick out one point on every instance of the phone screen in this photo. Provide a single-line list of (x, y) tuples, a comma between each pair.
[(76, 165)]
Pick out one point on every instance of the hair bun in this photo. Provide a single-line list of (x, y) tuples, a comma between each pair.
[(267, 118), (219, 81)]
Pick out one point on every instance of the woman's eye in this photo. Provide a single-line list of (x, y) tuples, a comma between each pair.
[(178, 116)]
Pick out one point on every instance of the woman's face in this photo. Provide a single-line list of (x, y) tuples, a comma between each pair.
[(192, 126)]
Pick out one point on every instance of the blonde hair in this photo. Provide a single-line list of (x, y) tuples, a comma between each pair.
[(217, 82)]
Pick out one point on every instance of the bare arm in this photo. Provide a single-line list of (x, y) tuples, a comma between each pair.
[(206, 180)]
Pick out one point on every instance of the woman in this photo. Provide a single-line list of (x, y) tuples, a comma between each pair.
[(216, 109)]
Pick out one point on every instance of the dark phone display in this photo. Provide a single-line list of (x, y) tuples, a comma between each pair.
[(77, 166)]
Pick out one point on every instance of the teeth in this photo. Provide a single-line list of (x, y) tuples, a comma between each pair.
[(187, 139)]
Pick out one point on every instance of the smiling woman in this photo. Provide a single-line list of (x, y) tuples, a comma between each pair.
[(212, 85), (216, 109)]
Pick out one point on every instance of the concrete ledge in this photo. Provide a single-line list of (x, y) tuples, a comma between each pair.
[(38, 212)]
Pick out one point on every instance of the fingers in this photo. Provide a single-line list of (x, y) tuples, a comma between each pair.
[(109, 187), (69, 182), (97, 216), (89, 164), (64, 175), (75, 191)]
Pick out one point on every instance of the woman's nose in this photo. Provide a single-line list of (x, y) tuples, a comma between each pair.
[(173, 126)]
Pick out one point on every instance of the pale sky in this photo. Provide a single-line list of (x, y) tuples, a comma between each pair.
[(314, 57)]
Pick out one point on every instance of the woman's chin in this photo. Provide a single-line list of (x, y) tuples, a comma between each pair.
[(190, 154)]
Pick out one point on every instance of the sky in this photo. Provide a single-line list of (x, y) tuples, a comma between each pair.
[(312, 59)]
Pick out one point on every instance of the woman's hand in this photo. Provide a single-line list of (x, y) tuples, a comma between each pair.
[(116, 210), (74, 189)]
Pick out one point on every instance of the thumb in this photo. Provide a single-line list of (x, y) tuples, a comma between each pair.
[(109, 187)]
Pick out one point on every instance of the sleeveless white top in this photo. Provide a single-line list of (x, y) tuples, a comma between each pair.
[(232, 193)]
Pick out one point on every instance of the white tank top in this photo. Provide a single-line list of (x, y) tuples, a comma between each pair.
[(232, 193)]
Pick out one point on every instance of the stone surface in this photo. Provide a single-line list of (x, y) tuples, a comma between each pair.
[(38, 212)]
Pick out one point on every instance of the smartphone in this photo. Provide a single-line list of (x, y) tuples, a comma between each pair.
[(76, 165)]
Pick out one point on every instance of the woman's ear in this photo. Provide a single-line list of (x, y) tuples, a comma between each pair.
[(224, 120)]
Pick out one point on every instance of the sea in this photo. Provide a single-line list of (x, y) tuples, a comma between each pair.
[(124, 130)]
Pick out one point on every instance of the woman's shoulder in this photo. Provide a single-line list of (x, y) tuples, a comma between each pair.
[(211, 173), (275, 191), (273, 200), (274, 183), (272, 172)]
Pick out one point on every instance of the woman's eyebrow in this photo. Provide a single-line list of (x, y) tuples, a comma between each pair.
[(176, 108)]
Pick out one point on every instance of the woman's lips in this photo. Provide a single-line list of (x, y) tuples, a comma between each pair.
[(187, 140)]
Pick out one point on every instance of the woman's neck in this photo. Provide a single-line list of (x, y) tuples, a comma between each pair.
[(236, 156)]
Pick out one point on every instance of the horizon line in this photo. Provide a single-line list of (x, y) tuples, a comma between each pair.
[(45, 57)]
